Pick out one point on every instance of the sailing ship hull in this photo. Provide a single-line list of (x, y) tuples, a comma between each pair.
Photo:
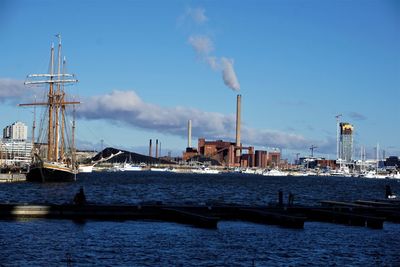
[(49, 174)]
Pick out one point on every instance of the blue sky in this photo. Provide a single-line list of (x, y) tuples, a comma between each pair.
[(145, 67)]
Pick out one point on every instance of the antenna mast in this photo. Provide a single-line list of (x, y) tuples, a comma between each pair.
[(337, 134)]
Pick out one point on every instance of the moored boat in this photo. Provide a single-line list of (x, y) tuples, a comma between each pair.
[(275, 172), (205, 170), (53, 155), (85, 168)]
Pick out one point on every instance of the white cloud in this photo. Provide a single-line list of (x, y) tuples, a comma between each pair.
[(128, 108), (14, 91), (10, 89)]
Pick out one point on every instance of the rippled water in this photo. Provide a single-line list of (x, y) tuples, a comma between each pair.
[(138, 243)]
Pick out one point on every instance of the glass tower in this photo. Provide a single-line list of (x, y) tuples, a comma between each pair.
[(346, 142)]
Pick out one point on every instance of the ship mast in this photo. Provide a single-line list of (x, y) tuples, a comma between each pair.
[(63, 115), (33, 129), (55, 103), (50, 130), (73, 139)]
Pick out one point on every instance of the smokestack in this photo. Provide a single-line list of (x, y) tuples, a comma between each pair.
[(238, 111), (156, 148), (189, 133), (150, 148)]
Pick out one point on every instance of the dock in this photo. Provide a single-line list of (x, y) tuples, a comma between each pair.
[(362, 213), (12, 177)]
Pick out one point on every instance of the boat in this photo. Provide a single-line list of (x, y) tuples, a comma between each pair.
[(205, 170), (373, 174), (130, 167), (343, 171), (53, 155), (85, 168), (275, 172), (394, 175)]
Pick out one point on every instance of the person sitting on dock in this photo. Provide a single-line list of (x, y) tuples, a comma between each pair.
[(80, 198)]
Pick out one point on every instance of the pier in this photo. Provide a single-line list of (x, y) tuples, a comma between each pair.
[(362, 213), (12, 177)]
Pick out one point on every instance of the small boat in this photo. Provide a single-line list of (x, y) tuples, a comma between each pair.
[(205, 170), (130, 167), (248, 171), (85, 168), (394, 175), (275, 172), (373, 174)]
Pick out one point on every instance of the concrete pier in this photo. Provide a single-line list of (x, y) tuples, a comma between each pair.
[(12, 177)]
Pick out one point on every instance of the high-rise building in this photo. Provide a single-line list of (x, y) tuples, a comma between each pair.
[(346, 142), (16, 131)]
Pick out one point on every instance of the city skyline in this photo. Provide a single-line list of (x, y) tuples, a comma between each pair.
[(145, 68)]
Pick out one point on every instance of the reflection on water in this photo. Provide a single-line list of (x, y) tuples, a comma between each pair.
[(137, 243)]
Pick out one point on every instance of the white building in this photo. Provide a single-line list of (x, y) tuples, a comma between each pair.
[(16, 131), (15, 152)]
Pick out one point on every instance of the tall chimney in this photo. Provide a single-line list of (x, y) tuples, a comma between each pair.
[(156, 148), (238, 111), (189, 133), (150, 148)]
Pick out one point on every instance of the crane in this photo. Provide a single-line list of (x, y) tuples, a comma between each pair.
[(312, 150)]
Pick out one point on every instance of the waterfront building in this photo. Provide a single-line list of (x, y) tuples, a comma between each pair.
[(16, 131), (346, 142), (15, 152), (224, 152)]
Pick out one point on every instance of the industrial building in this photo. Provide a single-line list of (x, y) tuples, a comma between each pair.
[(264, 159), (346, 142), (231, 154)]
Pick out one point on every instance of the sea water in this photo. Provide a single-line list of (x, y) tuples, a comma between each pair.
[(44, 242)]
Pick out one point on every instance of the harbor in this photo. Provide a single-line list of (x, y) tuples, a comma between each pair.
[(227, 212), (209, 133)]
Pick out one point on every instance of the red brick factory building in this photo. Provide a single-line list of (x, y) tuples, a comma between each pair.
[(231, 154)]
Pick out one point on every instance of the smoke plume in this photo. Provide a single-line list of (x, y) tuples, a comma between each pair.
[(229, 75), (197, 15), (204, 46)]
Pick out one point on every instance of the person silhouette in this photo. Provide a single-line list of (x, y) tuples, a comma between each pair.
[(80, 198)]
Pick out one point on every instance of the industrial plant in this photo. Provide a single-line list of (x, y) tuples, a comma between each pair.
[(231, 154)]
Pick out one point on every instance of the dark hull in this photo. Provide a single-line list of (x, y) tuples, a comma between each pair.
[(42, 174)]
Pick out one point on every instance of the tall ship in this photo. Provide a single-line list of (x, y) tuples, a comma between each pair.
[(53, 155)]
